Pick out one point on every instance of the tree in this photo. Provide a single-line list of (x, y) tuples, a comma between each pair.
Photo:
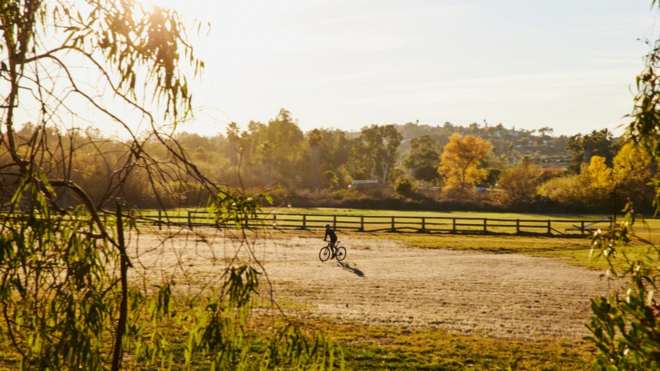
[(474, 128), (632, 175), (404, 186), (278, 151), (314, 139), (566, 190), (593, 187), (359, 164), (519, 183), (599, 184), (330, 153), (413, 129), (423, 158), (544, 131), (597, 143), (335, 153), (266, 150), (380, 144), (287, 153), (460, 162), (329, 179), (234, 148), (69, 289)]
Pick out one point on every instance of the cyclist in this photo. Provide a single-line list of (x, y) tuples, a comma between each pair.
[(333, 238)]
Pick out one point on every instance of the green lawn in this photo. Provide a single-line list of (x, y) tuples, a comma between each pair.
[(384, 348), (410, 221), (457, 214)]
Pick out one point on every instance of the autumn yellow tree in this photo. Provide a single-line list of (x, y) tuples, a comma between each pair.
[(592, 187), (599, 183), (519, 183), (460, 162), (632, 175)]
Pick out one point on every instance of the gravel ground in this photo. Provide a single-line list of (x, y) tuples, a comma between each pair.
[(383, 283)]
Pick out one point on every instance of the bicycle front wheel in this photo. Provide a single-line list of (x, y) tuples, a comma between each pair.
[(324, 254), (340, 254)]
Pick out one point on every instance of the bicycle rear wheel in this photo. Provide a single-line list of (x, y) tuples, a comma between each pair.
[(324, 254), (340, 253)]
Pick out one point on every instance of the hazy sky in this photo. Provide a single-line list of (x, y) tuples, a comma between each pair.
[(567, 64)]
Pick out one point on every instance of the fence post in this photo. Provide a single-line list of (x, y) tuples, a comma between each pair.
[(304, 222), (517, 225), (393, 228), (189, 221), (274, 221), (549, 226), (334, 222), (160, 225), (453, 229), (362, 224), (582, 227), (423, 224)]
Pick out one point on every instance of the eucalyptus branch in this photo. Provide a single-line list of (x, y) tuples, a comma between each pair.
[(89, 204), (91, 100)]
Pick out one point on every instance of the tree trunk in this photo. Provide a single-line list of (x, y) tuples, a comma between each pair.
[(386, 168), (315, 150), (233, 151), (268, 174)]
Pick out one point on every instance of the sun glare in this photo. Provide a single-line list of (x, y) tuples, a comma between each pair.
[(194, 9), (177, 5)]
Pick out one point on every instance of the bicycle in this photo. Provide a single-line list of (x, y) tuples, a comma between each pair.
[(339, 253)]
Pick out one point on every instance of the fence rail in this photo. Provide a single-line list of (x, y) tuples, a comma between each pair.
[(425, 224)]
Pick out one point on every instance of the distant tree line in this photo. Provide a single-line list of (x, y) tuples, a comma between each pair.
[(490, 167)]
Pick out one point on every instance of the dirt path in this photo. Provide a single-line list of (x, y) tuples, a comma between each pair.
[(382, 283)]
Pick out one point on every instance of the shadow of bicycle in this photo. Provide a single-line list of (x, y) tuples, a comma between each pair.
[(351, 268)]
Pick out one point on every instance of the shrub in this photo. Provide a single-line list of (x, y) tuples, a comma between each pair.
[(404, 186), (518, 184)]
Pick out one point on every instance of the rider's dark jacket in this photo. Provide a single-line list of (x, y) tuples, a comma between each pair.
[(331, 233)]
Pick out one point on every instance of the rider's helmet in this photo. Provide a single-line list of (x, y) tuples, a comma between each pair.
[(327, 225)]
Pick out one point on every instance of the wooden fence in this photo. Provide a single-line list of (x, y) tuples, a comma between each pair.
[(424, 224)]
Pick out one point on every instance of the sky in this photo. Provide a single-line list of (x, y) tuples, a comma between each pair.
[(566, 64)]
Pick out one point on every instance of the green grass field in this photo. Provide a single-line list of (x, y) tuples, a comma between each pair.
[(461, 214), (410, 221), (384, 348)]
